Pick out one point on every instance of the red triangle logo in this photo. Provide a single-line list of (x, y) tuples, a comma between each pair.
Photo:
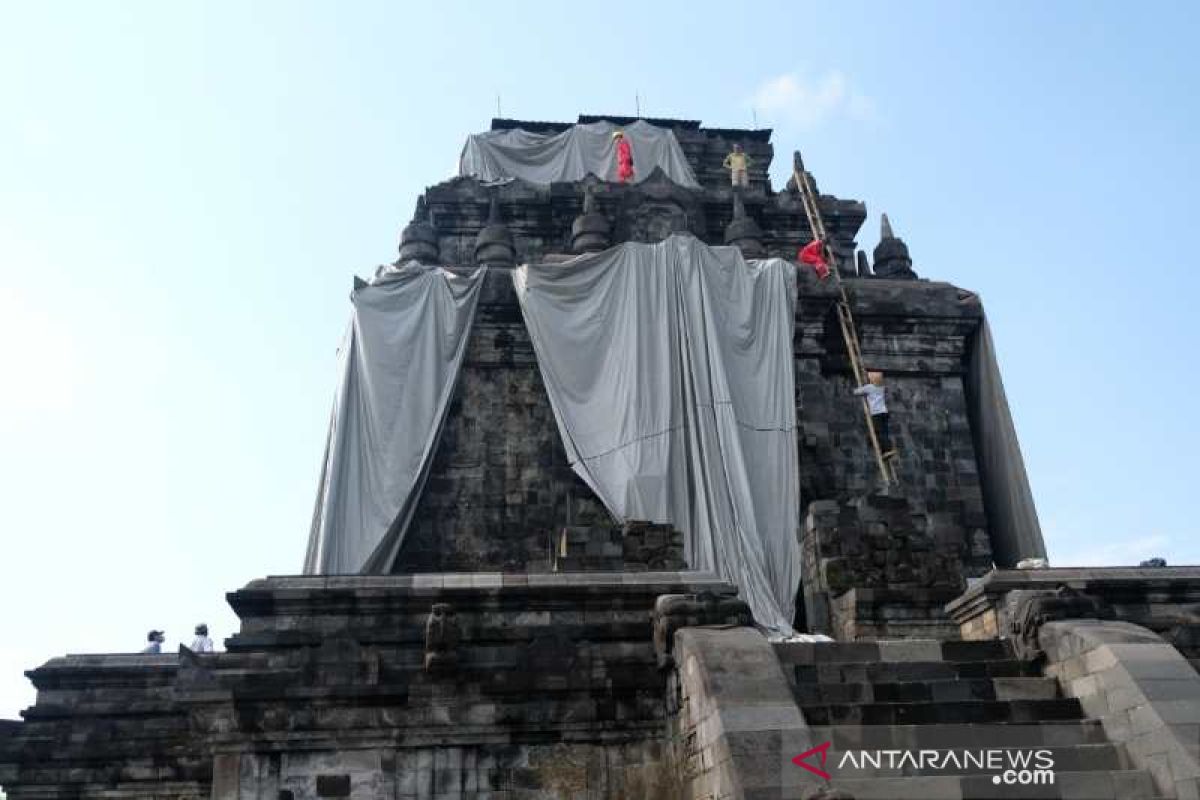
[(821, 750)]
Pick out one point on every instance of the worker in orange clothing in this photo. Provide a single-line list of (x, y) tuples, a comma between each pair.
[(813, 254), (624, 157)]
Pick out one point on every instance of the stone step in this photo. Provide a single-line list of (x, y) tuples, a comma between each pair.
[(923, 692), (1090, 785), (893, 650), (1020, 712), (1050, 733), (909, 671)]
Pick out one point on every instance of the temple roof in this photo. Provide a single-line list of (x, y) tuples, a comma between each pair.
[(542, 126)]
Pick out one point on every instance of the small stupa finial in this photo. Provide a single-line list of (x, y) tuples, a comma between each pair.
[(742, 231), (891, 254), (494, 246), (885, 228), (419, 239), (590, 231)]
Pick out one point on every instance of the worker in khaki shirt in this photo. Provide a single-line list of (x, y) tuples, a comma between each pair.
[(738, 163)]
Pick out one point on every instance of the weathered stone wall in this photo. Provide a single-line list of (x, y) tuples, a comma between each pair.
[(633, 547), (918, 334), (1164, 599), (551, 689), (706, 150), (734, 718), (876, 568), (500, 485), (552, 771), (540, 218), (554, 692), (105, 725)]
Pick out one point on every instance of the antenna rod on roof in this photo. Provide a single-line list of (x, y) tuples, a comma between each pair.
[(754, 113), (637, 101), (498, 114)]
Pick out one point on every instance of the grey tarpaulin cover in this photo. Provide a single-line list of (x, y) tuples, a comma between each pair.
[(573, 154), (1012, 517), (398, 365), (669, 368)]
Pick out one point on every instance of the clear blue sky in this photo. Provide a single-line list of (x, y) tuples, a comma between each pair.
[(187, 188)]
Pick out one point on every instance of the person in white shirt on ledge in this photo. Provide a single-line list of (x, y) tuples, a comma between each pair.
[(201, 644)]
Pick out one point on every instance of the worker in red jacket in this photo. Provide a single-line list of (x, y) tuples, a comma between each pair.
[(624, 157), (813, 254)]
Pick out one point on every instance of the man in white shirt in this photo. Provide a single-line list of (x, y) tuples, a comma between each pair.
[(201, 644), (876, 396)]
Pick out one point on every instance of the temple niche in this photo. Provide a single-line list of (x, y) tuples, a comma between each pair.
[(657, 209), (653, 221)]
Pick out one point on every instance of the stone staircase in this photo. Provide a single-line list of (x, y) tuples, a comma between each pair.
[(927, 695)]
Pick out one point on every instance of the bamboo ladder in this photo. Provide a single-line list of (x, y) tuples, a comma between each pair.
[(845, 317)]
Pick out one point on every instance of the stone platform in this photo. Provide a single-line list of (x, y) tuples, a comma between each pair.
[(1163, 599), (539, 686)]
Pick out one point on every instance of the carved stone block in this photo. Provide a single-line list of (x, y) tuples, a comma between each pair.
[(1025, 611), (675, 611), (441, 638)]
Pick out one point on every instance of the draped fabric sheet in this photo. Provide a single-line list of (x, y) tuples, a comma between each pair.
[(1012, 516), (573, 154), (398, 365), (669, 368)]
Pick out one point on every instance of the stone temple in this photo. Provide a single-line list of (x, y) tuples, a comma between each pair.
[(507, 635)]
